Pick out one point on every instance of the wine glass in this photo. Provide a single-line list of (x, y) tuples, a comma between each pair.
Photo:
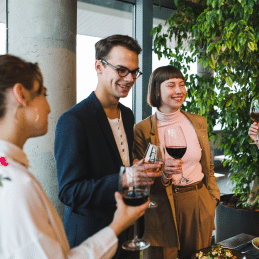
[(254, 114), (175, 145), (134, 189), (154, 155)]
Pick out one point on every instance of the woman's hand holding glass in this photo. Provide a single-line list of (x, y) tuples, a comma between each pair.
[(253, 132), (134, 185), (176, 146), (125, 216), (254, 114), (173, 169)]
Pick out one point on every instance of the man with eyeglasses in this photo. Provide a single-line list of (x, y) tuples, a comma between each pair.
[(94, 139), (123, 71)]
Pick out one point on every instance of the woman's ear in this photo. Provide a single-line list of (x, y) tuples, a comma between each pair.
[(21, 94)]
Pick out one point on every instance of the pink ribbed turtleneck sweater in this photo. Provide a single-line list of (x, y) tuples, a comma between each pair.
[(191, 160)]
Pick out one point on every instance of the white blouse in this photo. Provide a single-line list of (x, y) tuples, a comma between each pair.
[(30, 226)]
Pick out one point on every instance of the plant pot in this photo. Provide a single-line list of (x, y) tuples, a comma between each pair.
[(232, 221)]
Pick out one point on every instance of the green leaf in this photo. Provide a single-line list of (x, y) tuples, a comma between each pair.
[(230, 34), (218, 48), (212, 63), (210, 47), (251, 46), (232, 26), (237, 47), (229, 81)]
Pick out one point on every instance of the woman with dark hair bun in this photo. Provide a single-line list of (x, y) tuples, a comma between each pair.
[(30, 226), (184, 218)]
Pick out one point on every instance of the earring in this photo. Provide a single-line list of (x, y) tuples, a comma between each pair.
[(15, 116), (37, 115)]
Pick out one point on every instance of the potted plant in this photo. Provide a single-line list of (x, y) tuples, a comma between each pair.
[(221, 36)]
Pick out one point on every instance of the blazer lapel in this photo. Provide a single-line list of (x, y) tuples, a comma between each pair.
[(128, 127), (202, 134), (102, 119), (199, 128), (153, 131)]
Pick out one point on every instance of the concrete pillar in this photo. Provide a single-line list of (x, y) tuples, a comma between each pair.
[(144, 25), (45, 32)]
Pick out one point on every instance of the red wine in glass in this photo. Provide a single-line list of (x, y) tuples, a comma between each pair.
[(255, 116), (176, 152), (134, 198), (175, 144), (135, 191)]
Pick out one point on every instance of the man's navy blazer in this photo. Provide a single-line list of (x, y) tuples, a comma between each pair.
[(88, 164)]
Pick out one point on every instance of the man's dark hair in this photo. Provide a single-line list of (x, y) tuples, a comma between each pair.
[(15, 70), (158, 76), (104, 46)]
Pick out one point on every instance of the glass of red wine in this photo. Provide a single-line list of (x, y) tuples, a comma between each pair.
[(175, 145), (154, 155), (254, 114), (134, 189)]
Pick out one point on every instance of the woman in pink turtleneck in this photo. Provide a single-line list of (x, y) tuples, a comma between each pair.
[(184, 219)]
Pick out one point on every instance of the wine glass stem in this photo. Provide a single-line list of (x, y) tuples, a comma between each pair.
[(136, 231), (182, 178)]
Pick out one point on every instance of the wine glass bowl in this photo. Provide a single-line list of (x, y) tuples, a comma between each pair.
[(134, 189), (134, 193), (176, 152), (254, 114), (154, 155), (176, 146)]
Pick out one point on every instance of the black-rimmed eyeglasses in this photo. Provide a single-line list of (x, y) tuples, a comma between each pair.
[(123, 71)]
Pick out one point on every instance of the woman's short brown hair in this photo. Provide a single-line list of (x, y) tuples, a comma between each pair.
[(158, 76), (15, 70)]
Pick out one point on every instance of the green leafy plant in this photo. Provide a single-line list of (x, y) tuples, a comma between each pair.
[(222, 37)]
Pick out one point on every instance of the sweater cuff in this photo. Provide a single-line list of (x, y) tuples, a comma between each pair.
[(166, 181)]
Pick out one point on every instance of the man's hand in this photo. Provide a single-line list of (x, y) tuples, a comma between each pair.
[(151, 170)]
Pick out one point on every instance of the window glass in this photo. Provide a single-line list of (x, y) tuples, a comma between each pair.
[(86, 75), (2, 28), (2, 39), (95, 22)]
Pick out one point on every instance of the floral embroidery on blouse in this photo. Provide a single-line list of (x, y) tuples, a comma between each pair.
[(3, 163)]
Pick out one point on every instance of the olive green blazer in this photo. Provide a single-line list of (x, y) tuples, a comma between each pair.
[(160, 223)]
